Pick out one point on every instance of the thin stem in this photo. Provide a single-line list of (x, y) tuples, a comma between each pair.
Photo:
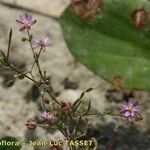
[(23, 74), (97, 114), (36, 61), (102, 114), (32, 67), (9, 43), (38, 65), (30, 43), (77, 126), (86, 91), (53, 97)]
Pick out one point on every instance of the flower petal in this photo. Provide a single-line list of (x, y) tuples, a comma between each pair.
[(132, 114), (136, 109), (46, 40), (37, 40), (124, 107), (127, 114), (29, 17), (131, 102), (21, 17)]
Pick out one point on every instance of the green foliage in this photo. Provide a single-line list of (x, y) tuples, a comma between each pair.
[(9, 143), (109, 44)]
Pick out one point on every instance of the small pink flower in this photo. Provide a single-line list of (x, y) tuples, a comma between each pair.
[(43, 43), (25, 21), (130, 110), (47, 116), (31, 124)]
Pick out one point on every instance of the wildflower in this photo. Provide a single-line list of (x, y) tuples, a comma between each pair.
[(130, 110), (65, 106), (25, 21), (31, 124), (43, 43), (47, 116)]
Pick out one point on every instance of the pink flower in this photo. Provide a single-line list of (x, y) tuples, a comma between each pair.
[(31, 124), (130, 110), (25, 21), (47, 116), (43, 43)]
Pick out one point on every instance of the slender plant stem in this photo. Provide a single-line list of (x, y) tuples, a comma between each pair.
[(53, 97), (40, 72), (38, 65), (30, 42), (102, 114), (36, 61), (23, 74), (77, 126), (9, 43)]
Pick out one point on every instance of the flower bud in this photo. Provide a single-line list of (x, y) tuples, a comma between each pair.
[(21, 76), (31, 124), (24, 39), (10, 83), (45, 126)]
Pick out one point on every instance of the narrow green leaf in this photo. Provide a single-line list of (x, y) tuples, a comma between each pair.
[(89, 107), (3, 57), (76, 105)]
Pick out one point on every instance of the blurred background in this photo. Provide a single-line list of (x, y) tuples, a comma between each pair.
[(68, 79)]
